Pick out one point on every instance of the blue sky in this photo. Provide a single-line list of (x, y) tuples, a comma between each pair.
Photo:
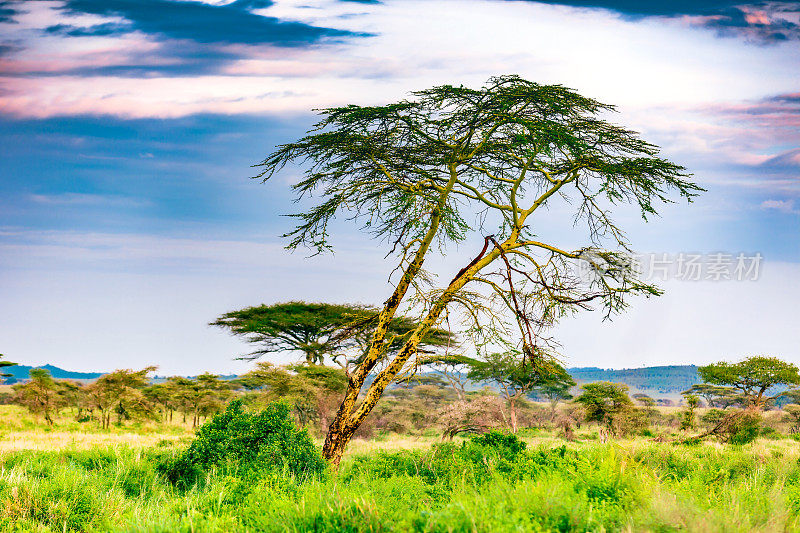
[(128, 127)]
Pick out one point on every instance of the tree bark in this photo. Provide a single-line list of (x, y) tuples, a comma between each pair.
[(512, 408)]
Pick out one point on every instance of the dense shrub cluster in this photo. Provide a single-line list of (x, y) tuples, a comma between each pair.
[(240, 441)]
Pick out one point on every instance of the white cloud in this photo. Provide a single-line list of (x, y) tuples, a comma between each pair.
[(81, 199), (417, 44), (784, 206)]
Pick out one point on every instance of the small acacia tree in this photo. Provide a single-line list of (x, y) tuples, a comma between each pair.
[(5, 364), (516, 377), (41, 395), (455, 370), (753, 378), (120, 392), (689, 416), (606, 403), (418, 172), (717, 396)]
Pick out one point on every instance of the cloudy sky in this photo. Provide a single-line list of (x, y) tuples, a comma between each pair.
[(128, 127)]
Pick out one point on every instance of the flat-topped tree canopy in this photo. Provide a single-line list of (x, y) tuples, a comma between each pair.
[(4, 364), (341, 332), (456, 165), (752, 378)]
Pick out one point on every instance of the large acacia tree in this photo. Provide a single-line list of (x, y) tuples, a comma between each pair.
[(476, 167)]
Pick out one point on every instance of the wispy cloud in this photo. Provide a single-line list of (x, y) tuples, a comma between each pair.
[(784, 206), (88, 200)]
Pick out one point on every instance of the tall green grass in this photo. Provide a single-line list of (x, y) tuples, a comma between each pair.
[(637, 486)]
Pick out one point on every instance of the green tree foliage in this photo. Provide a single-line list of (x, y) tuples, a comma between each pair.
[(416, 172), (41, 395), (689, 415), (717, 396), (517, 377), (165, 396), (122, 393), (319, 330), (606, 403), (244, 441), (310, 390), (752, 378), (310, 328), (199, 397), (5, 364)]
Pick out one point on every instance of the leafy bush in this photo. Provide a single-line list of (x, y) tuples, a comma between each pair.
[(263, 441), (507, 442), (712, 417), (745, 429)]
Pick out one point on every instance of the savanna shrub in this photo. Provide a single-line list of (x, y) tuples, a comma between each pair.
[(712, 417), (745, 429), (507, 442), (263, 441)]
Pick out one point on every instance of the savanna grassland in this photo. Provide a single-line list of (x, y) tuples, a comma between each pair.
[(248, 472)]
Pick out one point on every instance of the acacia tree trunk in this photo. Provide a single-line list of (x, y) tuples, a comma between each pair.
[(348, 417), (512, 412)]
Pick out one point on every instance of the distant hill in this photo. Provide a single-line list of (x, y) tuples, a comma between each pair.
[(655, 380), (662, 379), (20, 372)]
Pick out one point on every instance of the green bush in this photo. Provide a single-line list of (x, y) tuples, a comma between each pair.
[(506, 442), (745, 429), (266, 441)]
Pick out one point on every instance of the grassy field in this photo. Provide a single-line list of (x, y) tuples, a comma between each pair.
[(77, 478)]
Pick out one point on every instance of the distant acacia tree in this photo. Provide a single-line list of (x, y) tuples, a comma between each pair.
[(319, 330), (122, 393), (717, 396), (164, 395), (516, 377), (41, 395), (554, 387), (752, 378), (455, 370), (417, 172), (199, 397), (606, 403), (5, 364)]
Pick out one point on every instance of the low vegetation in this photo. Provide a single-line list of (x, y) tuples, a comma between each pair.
[(444, 451), (255, 471)]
